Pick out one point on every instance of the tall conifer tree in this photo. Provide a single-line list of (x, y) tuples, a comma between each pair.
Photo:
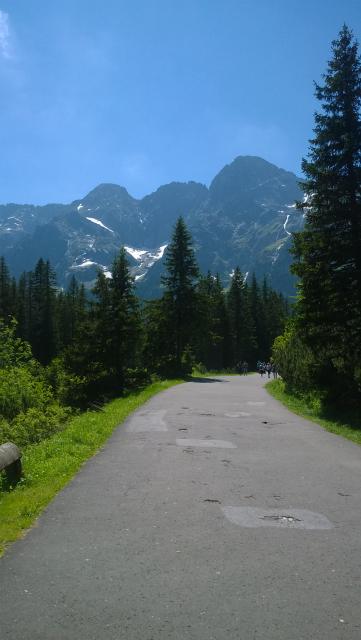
[(6, 299), (125, 319), (240, 319), (180, 290), (42, 298), (328, 251)]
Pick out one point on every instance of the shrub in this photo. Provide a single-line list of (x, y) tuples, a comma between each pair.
[(14, 352), (294, 360), (34, 425), (20, 390)]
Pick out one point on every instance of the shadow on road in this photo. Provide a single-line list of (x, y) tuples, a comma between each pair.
[(205, 380)]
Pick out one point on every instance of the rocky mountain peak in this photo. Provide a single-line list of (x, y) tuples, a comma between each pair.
[(106, 195), (253, 178)]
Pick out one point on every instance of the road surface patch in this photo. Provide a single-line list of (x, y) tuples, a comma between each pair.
[(189, 442), (147, 421), (254, 517), (241, 414)]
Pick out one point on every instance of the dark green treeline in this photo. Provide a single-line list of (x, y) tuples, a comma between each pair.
[(97, 345)]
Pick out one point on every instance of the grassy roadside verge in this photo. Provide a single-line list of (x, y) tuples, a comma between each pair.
[(347, 426), (49, 465)]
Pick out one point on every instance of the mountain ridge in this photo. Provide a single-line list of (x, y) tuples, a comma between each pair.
[(245, 218)]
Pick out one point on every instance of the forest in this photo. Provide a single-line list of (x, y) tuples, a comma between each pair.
[(67, 350)]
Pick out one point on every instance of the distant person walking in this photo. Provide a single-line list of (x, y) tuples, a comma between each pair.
[(268, 369), (244, 367)]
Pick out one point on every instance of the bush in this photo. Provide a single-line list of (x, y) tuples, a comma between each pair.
[(199, 368), (20, 390), (318, 376), (69, 388), (14, 352), (34, 425), (137, 377), (295, 361), (187, 361)]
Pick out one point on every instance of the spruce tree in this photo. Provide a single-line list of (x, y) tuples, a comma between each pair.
[(211, 340), (180, 292), (42, 300), (23, 305), (259, 315), (328, 251), (70, 311), (125, 319), (241, 321), (6, 301)]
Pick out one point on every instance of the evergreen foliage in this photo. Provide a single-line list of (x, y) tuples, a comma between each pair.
[(6, 292), (80, 349), (43, 335), (328, 251), (212, 336), (104, 355), (242, 327), (179, 298)]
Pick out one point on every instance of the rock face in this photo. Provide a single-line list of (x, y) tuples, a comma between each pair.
[(244, 219)]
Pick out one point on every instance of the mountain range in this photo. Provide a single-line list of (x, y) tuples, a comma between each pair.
[(244, 218)]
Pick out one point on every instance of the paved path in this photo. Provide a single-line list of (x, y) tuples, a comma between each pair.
[(212, 514)]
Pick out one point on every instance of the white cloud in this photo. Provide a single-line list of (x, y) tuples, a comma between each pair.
[(5, 49)]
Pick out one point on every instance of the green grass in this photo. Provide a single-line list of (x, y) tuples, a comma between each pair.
[(49, 465), (346, 424)]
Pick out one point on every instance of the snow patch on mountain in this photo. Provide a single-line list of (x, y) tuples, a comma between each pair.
[(95, 221), (80, 206), (145, 259), (285, 224), (160, 252), (136, 253), (148, 258), (85, 264)]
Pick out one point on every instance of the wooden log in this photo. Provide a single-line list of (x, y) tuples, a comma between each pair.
[(10, 461)]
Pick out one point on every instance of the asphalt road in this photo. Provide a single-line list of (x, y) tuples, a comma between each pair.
[(212, 514)]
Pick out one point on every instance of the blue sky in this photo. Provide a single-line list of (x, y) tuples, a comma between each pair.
[(143, 92)]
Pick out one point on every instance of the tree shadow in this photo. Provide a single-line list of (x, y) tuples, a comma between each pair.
[(350, 417), (205, 380)]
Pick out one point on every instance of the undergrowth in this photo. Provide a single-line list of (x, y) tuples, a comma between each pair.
[(344, 422)]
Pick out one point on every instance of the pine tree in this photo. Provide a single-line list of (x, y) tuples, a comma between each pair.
[(241, 321), (158, 347), (328, 251), (6, 299), (180, 291), (210, 341), (105, 351), (71, 311), (42, 299), (23, 306), (223, 324), (125, 319), (259, 315)]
